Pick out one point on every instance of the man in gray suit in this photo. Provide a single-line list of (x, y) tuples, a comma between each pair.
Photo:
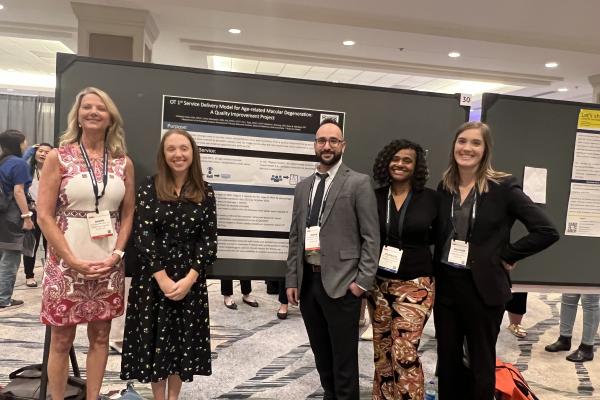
[(332, 260)]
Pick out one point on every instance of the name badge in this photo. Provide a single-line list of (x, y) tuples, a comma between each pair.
[(311, 239), (100, 225), (390, 258), (459, 252)]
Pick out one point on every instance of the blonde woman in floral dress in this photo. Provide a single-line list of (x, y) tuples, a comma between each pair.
[(85, 210)]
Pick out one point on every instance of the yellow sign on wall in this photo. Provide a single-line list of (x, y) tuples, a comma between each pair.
[(589, 119)]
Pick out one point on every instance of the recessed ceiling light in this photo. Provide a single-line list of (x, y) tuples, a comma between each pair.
[(235, 31), (1, 7), (551, 64), (348, 42), (454, 54), (563, 89)]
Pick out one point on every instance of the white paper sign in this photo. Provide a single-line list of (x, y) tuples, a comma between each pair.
[(534, 184), (465, 99)]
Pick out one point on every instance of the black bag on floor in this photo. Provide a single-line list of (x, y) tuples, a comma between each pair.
[(25, 385)]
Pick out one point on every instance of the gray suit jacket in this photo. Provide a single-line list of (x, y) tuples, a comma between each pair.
[(349, 233)]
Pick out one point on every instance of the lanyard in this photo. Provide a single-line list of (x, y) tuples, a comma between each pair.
[(88, 164), (322, 204), (471, 220), (402, 215)]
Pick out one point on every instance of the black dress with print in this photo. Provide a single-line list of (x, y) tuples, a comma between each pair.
[(165, 337)]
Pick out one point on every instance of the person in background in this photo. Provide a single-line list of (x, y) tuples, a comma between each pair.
[(590, 303), (15, 181), (516, 308), (85, 210), (278, 287), (403, 294), (473, 258), (167, 333), (36, 162)]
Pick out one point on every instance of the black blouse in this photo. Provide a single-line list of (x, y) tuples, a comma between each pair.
[(417, 233)]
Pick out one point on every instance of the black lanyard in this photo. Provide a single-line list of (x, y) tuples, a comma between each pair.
[(402, 215), (93, 176), (471, 219), (310, 195)]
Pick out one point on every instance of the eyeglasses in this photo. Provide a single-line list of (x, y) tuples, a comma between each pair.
[(333, 142)]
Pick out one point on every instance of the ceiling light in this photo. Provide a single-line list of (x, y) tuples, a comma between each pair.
[(454, 54), (1, 7), (348, 42), (563, 89), (27, 79), (235, 31), (551, 64)]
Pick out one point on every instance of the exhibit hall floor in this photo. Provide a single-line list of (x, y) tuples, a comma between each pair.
[(257, 356)]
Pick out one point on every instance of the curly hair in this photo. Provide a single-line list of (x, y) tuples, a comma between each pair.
[(381, 173)]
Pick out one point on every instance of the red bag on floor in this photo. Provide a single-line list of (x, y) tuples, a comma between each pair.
[(510, 384)]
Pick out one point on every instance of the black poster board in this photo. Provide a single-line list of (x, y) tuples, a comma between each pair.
[(541, 133), (373, 116)]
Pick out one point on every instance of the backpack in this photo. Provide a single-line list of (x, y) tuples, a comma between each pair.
[(25, 385), (510, 384)]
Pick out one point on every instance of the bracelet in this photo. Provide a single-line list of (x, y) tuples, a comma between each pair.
[(118, 252), (27, 215)]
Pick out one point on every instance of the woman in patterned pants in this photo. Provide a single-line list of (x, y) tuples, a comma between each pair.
[(403, 294)]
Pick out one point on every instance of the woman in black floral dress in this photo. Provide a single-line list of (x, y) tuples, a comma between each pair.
[(167, 337)]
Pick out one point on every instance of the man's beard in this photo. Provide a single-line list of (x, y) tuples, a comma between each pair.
[(336, 157)]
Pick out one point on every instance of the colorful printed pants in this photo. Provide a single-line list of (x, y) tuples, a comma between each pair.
[(399, 310)]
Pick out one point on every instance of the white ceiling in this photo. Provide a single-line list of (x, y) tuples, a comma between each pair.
[(398, 43)]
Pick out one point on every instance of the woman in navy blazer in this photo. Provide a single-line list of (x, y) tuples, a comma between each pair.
[(473, 258)]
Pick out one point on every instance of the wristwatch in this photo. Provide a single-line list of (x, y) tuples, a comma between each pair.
[(27, 214), (118, 252)]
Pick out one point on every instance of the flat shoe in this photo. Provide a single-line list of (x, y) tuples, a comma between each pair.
[(282, 315), (250, 303), (31, 283), (582, 354), (517, 330), (231, 306)]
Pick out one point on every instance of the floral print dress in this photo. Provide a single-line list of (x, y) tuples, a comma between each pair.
[(69, 299), (165, 337)]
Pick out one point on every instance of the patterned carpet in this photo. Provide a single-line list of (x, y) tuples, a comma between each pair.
[(257, 356)]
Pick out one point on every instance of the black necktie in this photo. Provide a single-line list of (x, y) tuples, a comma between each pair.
[(316, 204)]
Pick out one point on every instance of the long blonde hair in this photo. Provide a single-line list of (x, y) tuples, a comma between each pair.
[(194, 189), (115, 136), (485, 172)]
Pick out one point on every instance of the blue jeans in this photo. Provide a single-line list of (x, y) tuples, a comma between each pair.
[(591, 315), (9, 264)]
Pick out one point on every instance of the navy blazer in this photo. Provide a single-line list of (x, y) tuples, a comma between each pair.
[(497, 210)]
